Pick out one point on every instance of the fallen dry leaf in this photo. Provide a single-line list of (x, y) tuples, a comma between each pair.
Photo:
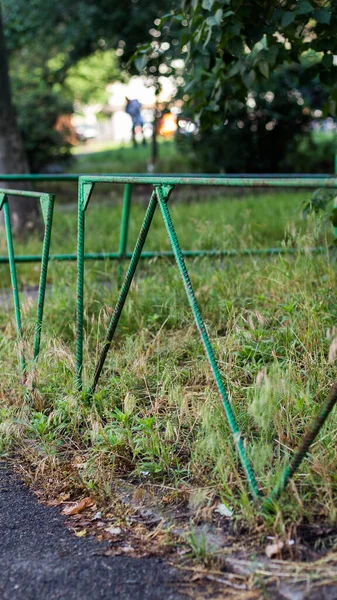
[(113, 530), (127, 549), (81, 533), (74, 509), (273, 549), (139, 495)]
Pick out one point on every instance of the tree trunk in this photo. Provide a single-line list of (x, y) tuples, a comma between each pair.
[(24, 211), (154, 144)]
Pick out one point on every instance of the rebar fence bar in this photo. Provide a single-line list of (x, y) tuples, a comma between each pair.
[(161, 188), (47, 207), (160, 193), (123, 253)]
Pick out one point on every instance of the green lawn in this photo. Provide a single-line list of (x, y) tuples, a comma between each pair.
[(157, 410), (109, 158), (106, 157)]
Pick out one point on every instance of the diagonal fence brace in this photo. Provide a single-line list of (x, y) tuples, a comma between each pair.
[(162, 194), (125, 288), (85, 190), (47, 207), (308, 438)]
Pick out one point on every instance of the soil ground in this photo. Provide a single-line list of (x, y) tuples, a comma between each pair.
[(41, 559)]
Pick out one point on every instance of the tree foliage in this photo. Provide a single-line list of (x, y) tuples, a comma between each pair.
[(256, 75), (259, 135), (66, 51), (86, 81), (74, 29), (232, 46)]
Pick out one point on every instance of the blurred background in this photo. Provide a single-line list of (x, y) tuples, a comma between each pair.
[(73, 66), (184, 86)]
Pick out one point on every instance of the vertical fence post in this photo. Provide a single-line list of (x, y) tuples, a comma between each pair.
[(47, 206), (123, 240), (84, 193), (11, 257)]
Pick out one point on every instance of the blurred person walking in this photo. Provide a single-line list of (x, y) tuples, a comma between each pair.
[(133, 108)]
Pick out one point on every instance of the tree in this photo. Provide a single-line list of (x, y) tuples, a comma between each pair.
[(86, 81), (229, 46), (73, 29), (40, 101), (45, 42), (12, 154), (52, 46), (256, 73), (263, 131)]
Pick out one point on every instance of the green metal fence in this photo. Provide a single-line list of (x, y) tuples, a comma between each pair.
[(161, 189), (159, 196), (123, 253), (47, 207)]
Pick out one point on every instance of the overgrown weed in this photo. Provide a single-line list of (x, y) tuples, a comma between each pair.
[(156, 414)]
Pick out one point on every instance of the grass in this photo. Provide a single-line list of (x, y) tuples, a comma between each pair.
[(106, 157), (156, 415)]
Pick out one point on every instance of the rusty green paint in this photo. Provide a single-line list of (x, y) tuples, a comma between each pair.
[(162, 186), (247, 182), (161, 193), (47, 205)]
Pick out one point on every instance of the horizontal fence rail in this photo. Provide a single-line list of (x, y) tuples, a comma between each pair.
[(34, 258), (223, 181), (246, 180), (159, 176), (161, 187)]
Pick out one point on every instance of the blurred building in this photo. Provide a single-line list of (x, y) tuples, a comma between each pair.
[(110, 122)]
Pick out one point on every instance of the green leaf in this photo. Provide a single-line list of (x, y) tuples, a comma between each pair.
[(211, 21), (304, 7), (333, 217), (235, 47), (264, 68), (288, 18), (208, 37), (272, 54), (308, 58), (322, 15), (234, 28), (327, 61), (214, 19), (218, 16), (207, 4), (248, 78), (169, 15), (236, 68), (140, 62)]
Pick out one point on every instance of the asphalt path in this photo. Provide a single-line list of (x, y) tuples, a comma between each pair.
[(40, 559)]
